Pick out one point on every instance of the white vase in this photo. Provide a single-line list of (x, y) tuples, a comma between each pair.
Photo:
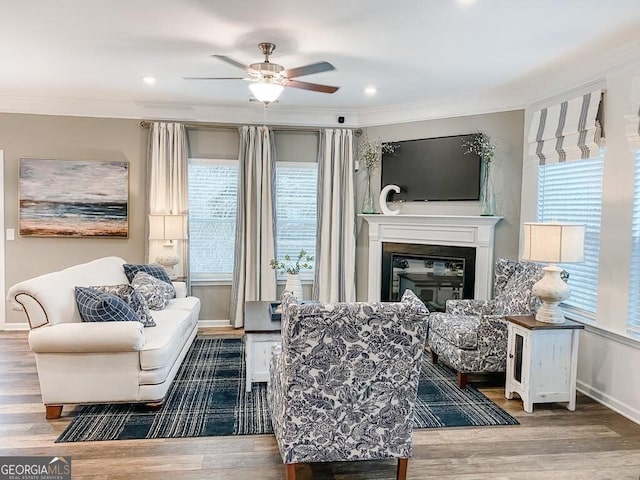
[(294, 285)]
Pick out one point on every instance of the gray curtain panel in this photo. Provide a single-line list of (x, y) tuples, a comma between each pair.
[(336, 233), (168, 184), (253, 277)]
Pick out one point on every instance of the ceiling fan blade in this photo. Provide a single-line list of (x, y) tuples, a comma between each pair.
[(214, 78), (233, 62), (308, 69), (314, 87)]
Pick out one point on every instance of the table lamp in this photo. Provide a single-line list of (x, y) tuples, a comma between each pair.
[(554, 243), (168, 227)]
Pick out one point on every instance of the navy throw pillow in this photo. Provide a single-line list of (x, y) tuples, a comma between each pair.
[(152, 269), (97, 306), (132, 298)]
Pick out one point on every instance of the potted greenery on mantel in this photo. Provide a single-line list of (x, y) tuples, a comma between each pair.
[(371, 152), (481, 145)]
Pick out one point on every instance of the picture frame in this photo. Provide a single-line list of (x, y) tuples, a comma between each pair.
[(73, 198)]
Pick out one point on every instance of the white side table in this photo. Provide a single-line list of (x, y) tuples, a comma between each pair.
[(261, 334), (542, 360)]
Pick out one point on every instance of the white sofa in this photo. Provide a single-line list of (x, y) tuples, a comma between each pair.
[(101, 362)]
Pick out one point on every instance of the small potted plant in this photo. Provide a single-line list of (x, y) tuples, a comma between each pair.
[(292, 267)]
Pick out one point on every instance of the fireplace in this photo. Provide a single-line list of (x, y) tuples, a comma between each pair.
[(435, 273), (437, 232)]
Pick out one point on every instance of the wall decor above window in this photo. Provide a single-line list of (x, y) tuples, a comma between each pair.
[(74, 198)]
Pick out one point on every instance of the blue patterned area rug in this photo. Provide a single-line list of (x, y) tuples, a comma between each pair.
[(208, 398)]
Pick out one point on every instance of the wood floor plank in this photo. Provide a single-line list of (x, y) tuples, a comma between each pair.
[(511, 433), (550, 444)]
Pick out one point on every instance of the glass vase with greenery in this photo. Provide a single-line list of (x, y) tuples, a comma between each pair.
[(482, 145), (371, 152)]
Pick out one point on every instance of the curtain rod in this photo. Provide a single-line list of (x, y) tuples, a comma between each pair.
[(277, 128)]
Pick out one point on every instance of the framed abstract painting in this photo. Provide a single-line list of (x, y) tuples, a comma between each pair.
[(74, 198)]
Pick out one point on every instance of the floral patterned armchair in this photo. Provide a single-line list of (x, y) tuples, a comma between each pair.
[(344, 382), (471, 336)]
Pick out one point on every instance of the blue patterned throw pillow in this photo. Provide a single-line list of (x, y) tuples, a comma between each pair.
[(155, 292), (136, 301), (97, 306), (152, 269)]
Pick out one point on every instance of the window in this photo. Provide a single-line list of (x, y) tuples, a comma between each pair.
[(572, 192), (634, 283), (296, 210), (212, 214), (213, 186)]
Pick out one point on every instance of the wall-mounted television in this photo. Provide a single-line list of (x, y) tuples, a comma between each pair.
[(432, 169)]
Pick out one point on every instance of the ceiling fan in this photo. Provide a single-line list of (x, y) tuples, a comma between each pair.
[(269, 79)]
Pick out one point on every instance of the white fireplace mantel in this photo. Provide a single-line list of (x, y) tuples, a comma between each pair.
[(451, 230)]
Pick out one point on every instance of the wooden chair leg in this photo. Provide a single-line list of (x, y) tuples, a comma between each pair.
[(463, 379), (403, 463), (290, 471), (434, 357), (53, 411)]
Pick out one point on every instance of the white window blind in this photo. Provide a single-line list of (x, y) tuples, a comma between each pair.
[(572, 192), (296, 210), (213, 186), (634, 283), (213, 207)]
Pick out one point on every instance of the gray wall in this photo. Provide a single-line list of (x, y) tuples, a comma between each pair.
[(76, 138), (506, 129), (44, 136)]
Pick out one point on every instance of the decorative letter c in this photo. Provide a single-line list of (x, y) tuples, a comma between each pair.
[(383, 200)]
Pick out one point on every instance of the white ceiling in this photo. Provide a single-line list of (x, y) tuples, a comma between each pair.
[(62, 56)]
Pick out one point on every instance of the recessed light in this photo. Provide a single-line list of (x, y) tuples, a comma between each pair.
[(466, 3), (149, 80), (370, 90)]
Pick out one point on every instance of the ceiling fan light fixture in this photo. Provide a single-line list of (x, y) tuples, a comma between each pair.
[(266, 92)]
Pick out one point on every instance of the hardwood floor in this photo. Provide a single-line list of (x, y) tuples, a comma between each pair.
[(551, 444)]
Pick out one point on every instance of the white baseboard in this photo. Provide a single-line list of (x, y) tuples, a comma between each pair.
[(14, 327), (214, 323), (622, 408)]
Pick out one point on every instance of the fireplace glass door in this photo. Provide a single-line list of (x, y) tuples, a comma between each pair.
[(434, 273)]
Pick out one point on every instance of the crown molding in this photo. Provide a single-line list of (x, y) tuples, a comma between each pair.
[(562, 78), (476, 104), (274, 114), (108, 108)]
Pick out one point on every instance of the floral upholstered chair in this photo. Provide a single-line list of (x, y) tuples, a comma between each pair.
[(344, 382), (471, 336)]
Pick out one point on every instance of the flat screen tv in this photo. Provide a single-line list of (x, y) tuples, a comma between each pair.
[(432, 169)]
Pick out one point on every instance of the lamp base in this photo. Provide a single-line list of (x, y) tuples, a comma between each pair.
[(168, 259), (552, 290), (550, 313)]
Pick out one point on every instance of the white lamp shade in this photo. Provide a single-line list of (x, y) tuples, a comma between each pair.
[(553, 242), (266, 92), (167, 227)]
